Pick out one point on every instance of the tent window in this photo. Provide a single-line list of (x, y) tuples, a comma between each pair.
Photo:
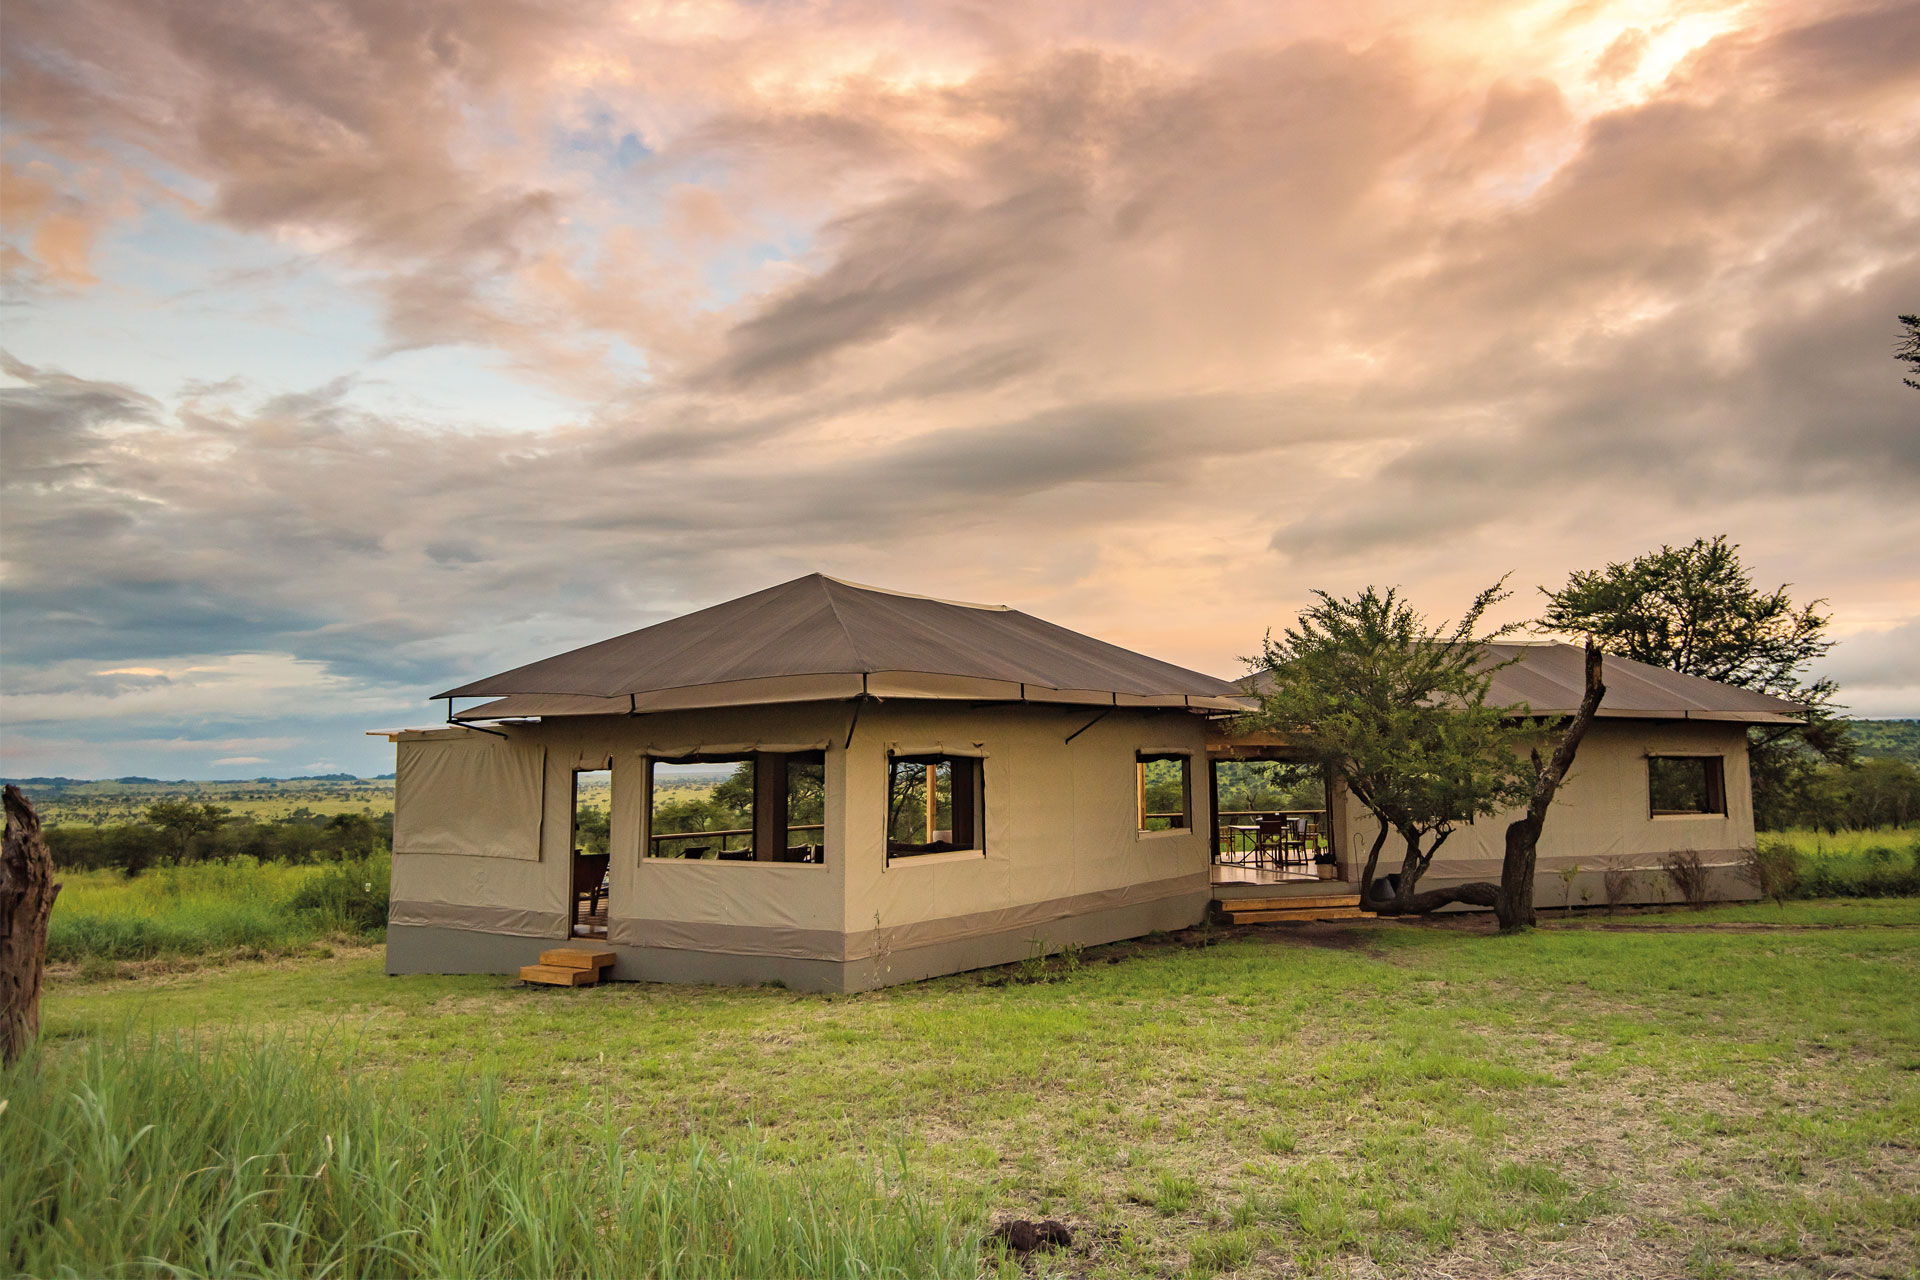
[(1163, 791), (1683, 785), (767, 806), (934, 805)]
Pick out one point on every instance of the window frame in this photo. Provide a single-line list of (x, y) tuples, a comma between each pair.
[(1142, 757), (974, 766), (767, 817), (1715, 785)]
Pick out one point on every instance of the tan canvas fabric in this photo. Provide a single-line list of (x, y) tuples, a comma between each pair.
[(865, 944), (821, 629), (1060, 817), (1060, 835), (475, 795), (1600, 815)]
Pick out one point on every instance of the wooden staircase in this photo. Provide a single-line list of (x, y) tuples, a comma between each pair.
[(1342, 906), (568, 967)]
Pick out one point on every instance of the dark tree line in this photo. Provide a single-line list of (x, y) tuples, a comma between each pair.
[(181, 831)]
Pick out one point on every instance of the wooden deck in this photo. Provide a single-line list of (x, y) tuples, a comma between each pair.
[(589, 923), (1290, 908), (1265, 875)]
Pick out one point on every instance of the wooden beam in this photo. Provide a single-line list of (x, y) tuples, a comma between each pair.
[(769, 805)]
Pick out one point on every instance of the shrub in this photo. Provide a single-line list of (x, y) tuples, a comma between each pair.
[(1772, 867), (1617, 883), (184, 1157), (1687, 874)]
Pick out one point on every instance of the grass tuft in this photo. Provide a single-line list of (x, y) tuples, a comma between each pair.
[(261, 1159)]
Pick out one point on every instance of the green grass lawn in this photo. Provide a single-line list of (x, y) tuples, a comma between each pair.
[(1387, 1097)]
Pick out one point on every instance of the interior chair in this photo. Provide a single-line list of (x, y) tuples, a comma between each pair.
[(590, 878)]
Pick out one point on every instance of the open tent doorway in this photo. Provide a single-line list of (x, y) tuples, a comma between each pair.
[(1271, 819), (592, 809)]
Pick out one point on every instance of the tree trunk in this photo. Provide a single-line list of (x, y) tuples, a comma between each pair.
[(1408, 901), (27, 892), (1373, 862), (1515, 904), (1479, 893)]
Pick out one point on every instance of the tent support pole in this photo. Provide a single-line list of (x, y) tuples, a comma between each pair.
[(1089, 724), (461, 724), (858, 703)]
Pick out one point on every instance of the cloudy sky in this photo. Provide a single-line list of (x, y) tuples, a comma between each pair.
[(355, 349)]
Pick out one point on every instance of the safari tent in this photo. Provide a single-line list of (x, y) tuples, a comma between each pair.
[(968, 778), (922, 786), (1662, 772)]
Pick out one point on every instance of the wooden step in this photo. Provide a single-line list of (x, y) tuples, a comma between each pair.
[(554, 975), (1282, 917), (1304, 901), (577, 958)]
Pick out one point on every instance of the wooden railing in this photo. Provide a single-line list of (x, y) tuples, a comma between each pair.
[(693, 838)]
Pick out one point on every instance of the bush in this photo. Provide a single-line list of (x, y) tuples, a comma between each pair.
[(348, 897), (1689, 875), (1773, 869), (180, 1157), (1618, 883)]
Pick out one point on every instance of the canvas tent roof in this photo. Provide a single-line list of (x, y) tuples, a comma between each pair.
[(1550, 677), (820, 638)]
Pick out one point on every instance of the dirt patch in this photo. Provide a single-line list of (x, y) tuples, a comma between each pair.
[(160, 968), (1023, 1236)]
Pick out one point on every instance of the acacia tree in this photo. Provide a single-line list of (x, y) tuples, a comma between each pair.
[(1695, 609), (1515, 903), (1397, 710), (183, 821), (1907, 350)]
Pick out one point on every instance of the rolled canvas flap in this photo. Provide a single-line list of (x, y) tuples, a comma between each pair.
[(682, 751), (476, 796), (1166, 751), (970, 750)]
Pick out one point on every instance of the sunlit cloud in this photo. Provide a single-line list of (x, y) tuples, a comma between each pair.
[(353, 351)]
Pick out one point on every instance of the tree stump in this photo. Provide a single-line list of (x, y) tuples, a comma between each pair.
[(27, 892)]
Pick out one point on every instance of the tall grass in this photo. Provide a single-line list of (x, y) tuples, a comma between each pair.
[(265, 1160), (1853, 864), (215, 906)]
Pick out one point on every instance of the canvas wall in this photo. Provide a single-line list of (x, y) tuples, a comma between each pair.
[(1600, 818), (1061, 820), (1060, 832), (472, 838)]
